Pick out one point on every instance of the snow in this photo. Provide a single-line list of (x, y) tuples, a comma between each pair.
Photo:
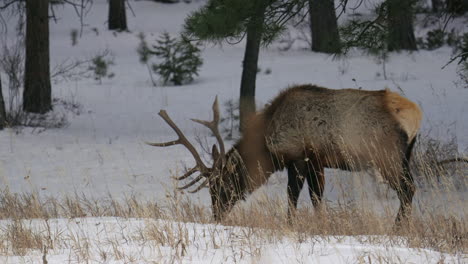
[(102, 151), (101, 240)]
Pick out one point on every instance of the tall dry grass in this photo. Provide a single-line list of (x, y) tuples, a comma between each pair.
[(439, 219)]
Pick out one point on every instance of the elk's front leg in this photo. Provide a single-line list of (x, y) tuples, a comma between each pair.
[(316, 181)]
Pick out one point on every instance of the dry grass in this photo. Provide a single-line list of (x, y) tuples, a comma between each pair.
[(438, 223), (252, 227), (18, 239), (426, 156), (264, 219)]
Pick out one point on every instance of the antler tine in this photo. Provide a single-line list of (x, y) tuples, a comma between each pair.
[(182, 140), (213, 126), (197, 179), (165, 144), (186, 174), (201, 186)]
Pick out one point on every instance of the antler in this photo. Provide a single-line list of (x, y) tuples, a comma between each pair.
[(205, 172), (182, 140), (213, 126), (458, 159)]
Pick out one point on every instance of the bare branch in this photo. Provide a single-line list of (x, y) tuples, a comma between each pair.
[(463, 56), (130, 7), (81, 9), (9, 4), (70, 70)]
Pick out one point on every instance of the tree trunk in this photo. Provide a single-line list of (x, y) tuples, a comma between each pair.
[(2, 108), (458, 7), (117, 15), (250, 66), (37, 96), (323, 26), (436, 6), (400, 23)]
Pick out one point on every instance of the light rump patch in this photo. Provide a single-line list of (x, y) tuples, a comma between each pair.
[(407, 113)]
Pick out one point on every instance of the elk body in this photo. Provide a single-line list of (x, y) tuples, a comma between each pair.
[(306, 129)]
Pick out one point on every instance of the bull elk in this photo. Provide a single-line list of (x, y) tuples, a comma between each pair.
[(306, 129)]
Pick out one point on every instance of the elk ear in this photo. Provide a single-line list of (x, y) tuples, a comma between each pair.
[(215, 153)]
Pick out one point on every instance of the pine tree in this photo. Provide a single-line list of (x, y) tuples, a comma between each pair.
[(180, 60), (400, 25), (117, 15), (250, 66), (189, 60), (457, 7), (324, 27), (261, 21), (391, 30), (436, 5), (2, 107), (165, 49), (37, 95)]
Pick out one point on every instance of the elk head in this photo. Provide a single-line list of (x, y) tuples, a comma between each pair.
[(222, 178)]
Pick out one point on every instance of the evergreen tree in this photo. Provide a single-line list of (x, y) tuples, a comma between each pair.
[(323, 26), (117, 15), (37, 95), (390, 30), (2, 107), (250, 66), (457, 7), (179, 60), (436, 5), (188, 61), (400, 25), (259, 20)]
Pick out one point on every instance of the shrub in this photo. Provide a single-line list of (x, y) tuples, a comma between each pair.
[(462, 43), (230, 121), (462, 72), (12, 65), (74, 36), (179, 59), (369, 36), (100, 66), (435, 39), (456, 7)]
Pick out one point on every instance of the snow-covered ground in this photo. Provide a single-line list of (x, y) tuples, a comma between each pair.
[(102, 151), (117, 240)]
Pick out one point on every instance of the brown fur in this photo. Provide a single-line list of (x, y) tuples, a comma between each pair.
[(348, 129)]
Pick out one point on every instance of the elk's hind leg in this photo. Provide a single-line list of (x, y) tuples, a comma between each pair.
[(298, 172), (296, 178), (405, 188)]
